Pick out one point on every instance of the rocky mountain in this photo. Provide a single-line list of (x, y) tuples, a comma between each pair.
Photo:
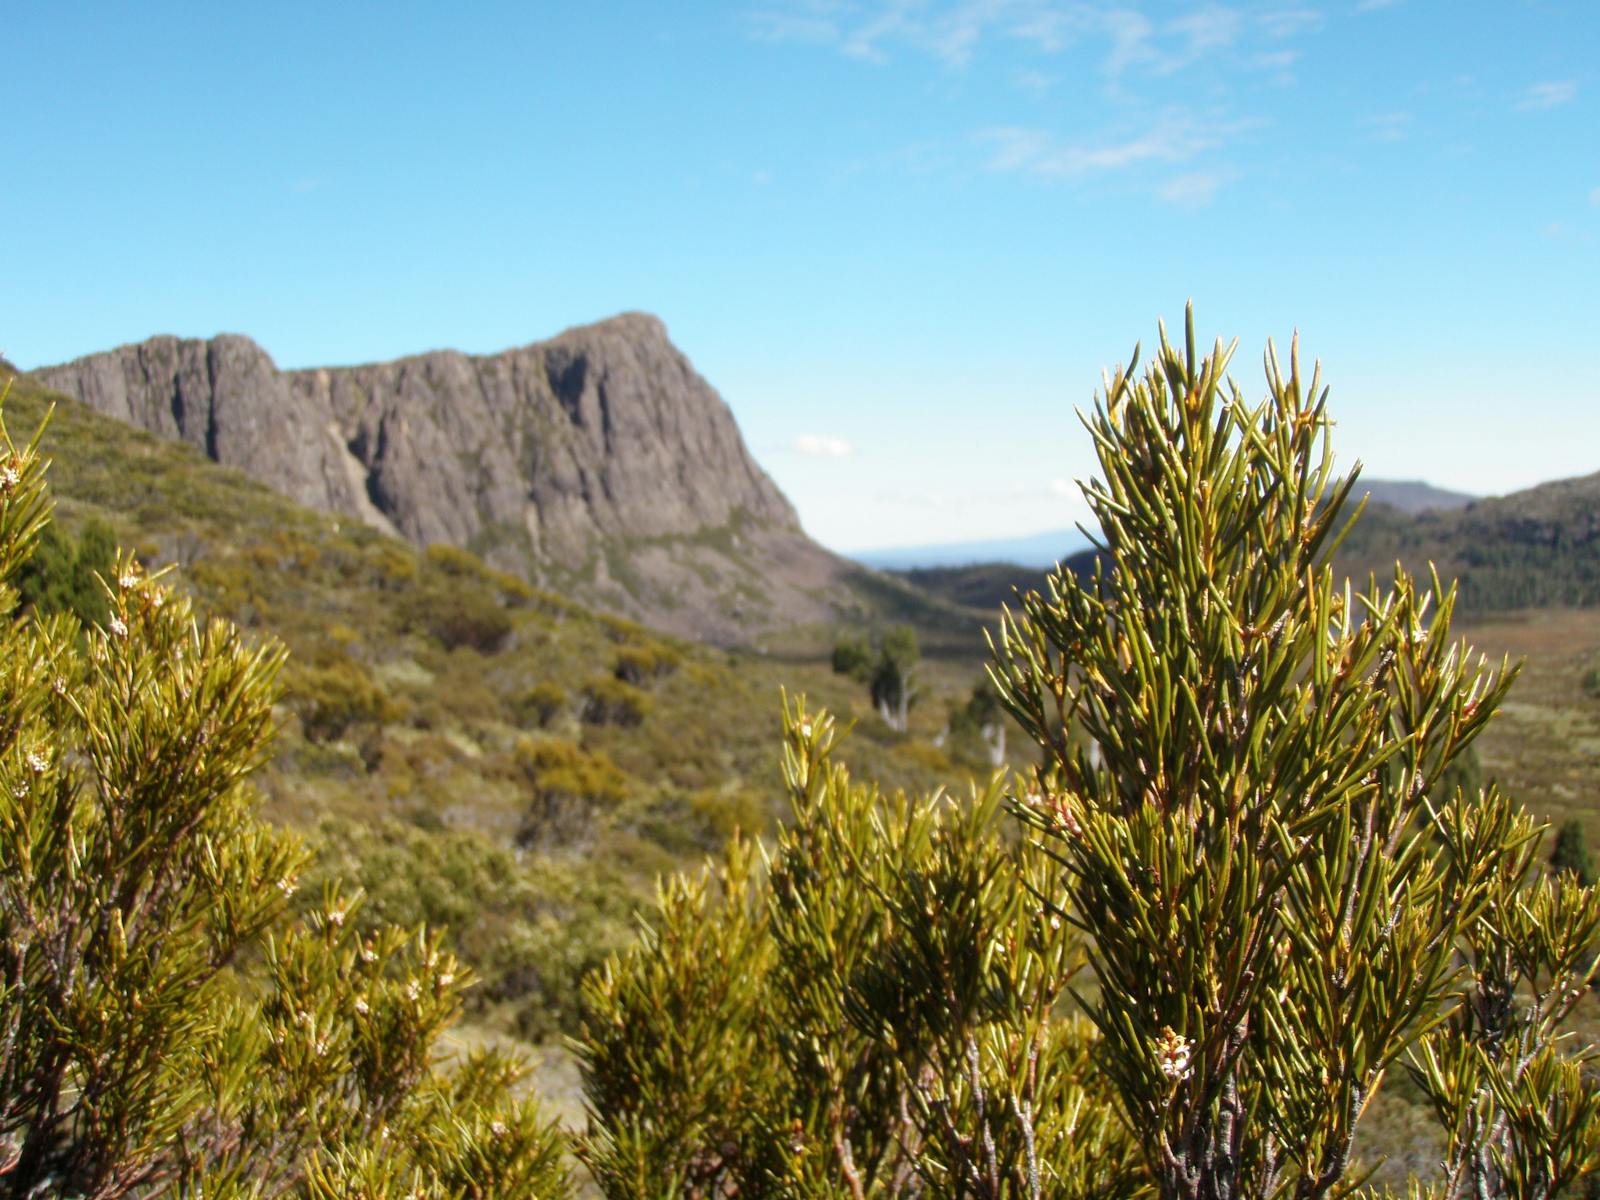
[(598, 462)]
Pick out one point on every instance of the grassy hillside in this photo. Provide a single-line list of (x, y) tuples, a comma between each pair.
[(472, 750)]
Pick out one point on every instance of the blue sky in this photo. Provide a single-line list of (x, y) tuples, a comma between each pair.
[(902, 239)]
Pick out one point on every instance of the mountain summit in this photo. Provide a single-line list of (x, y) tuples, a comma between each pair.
[(598, 462)]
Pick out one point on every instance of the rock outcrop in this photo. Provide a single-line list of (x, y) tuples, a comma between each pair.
[(598, 462)]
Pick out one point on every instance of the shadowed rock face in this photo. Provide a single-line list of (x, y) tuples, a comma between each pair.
[(598, 461)]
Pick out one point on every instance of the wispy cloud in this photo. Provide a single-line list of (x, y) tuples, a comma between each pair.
[(1375, 5), (1559, 231), (1292, 22), (820, 445), (1389, 126), (1035, 83), (1194, 189), (1550, 94), (953, 31), (1174, 138)]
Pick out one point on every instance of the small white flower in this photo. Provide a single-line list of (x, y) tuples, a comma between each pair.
[(288, 886), (447, 979), (58, 685), (1173, 1054), (336, 917), (9, 476), (368, 954), (412, 990), (361, 1006), (499, 1129), (321, 1047), (117, 628), (127, 581), (805, 729), (37, 763), (20, 791)]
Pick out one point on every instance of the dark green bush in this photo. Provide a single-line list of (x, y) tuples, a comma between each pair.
[(64, 575), (459, 615)]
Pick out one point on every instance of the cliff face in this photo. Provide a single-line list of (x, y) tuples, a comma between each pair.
[(599, 462)]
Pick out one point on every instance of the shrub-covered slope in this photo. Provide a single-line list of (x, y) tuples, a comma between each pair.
[(473, 750)]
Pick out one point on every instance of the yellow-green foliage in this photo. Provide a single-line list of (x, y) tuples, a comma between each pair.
[(542, 703), (166, 1026), (336, 695)]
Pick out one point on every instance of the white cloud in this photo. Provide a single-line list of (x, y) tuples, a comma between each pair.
[(819, 445), (1550, 94), (1375, 5), (1193, 190)]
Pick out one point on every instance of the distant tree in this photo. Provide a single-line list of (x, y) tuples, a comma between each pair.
[(852, 656), (887, 665), (893, 680), (981, 720)]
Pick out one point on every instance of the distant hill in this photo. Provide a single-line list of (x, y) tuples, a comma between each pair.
[(1034, 550), (598, 463), (1412, 495), (1532, 549)]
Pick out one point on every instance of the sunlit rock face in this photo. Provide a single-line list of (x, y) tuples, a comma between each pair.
[(598, 461)]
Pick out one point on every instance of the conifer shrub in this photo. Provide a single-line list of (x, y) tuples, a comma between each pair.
[(1254, 823), (167, 1026)]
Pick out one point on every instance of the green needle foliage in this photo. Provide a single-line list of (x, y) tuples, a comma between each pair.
[(165, 1027), (1278, 897), (872, 1010)]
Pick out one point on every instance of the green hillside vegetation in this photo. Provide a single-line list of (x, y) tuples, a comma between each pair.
[(1533, 549), (475, 753)]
